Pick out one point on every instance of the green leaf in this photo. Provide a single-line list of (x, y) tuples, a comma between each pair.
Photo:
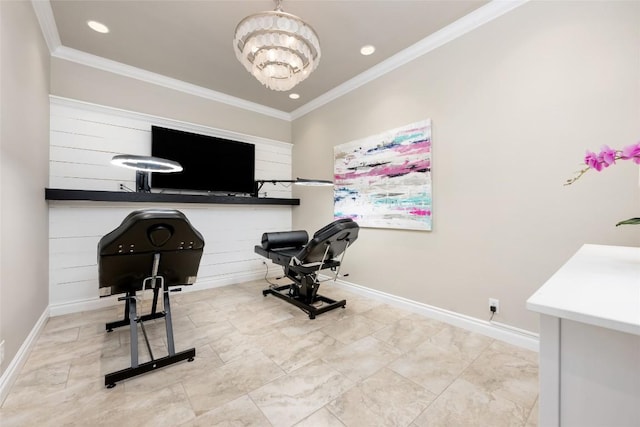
[(629, 222)]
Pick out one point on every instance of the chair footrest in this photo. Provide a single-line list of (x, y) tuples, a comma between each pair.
[(282, 292), (111, 379)]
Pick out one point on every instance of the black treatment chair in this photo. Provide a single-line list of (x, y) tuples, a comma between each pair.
[(302, 261), (152, 249)]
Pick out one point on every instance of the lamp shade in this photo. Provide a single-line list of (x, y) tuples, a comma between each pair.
[(313, 182), (146, 163)]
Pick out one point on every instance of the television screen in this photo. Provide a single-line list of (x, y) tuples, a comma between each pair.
[(209, 163)]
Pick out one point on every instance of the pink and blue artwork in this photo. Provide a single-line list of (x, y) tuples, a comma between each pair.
[(384, 181)]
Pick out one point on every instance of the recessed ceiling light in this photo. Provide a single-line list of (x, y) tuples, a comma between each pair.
[(367, 50), (98, 26), (294, 96)]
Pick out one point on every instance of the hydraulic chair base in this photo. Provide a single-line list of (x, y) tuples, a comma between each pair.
[(303, 259), (131, 319), (284, 292)]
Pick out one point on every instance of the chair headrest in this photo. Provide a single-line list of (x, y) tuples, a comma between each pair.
[(332, 239), (151, 230), (330, 228), (126, 255)]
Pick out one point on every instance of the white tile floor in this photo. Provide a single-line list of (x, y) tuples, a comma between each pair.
[(262, 362)]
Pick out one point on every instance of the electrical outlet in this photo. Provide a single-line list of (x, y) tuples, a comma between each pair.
[(1, 351), (494, 303)]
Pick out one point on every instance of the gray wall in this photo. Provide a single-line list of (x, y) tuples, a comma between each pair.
[(514, 104), (24, 161)]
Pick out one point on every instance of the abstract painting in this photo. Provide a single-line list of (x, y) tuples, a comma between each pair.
[(384, 181)]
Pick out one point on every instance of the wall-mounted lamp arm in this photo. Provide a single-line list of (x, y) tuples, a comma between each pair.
[(260, 182), (298, 181)]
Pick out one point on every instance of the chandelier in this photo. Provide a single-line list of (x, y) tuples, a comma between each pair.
[(278, 48)]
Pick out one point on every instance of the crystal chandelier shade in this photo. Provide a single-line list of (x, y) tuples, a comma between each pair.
[(277, 48)]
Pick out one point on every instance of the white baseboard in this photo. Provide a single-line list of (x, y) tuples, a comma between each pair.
[(98, 303), (500, 331), (509, 334), (82, 305), (11, 373)]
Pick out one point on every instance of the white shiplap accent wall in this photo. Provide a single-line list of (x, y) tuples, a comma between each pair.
[(84, 138)]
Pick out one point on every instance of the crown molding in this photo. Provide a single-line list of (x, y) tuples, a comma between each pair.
[(47, 22), (115, 67), (467, 23)]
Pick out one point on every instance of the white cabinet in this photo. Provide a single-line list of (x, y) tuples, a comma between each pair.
[(590, 339)]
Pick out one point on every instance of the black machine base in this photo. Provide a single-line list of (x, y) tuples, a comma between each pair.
[(111, 379), (284, 292)]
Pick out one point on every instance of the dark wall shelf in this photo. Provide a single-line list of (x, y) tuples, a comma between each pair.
[(124, 196)]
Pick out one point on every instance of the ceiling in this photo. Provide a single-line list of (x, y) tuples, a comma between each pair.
[(191, 41)]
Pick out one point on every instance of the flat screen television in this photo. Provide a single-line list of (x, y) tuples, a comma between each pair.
[(209, 163)]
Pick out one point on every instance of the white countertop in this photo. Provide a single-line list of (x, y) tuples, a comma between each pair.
[(599, 285)]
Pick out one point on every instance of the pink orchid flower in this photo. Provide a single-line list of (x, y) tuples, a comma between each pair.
[(604, 159), (607, 156), (591, 160), (631, 152)]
